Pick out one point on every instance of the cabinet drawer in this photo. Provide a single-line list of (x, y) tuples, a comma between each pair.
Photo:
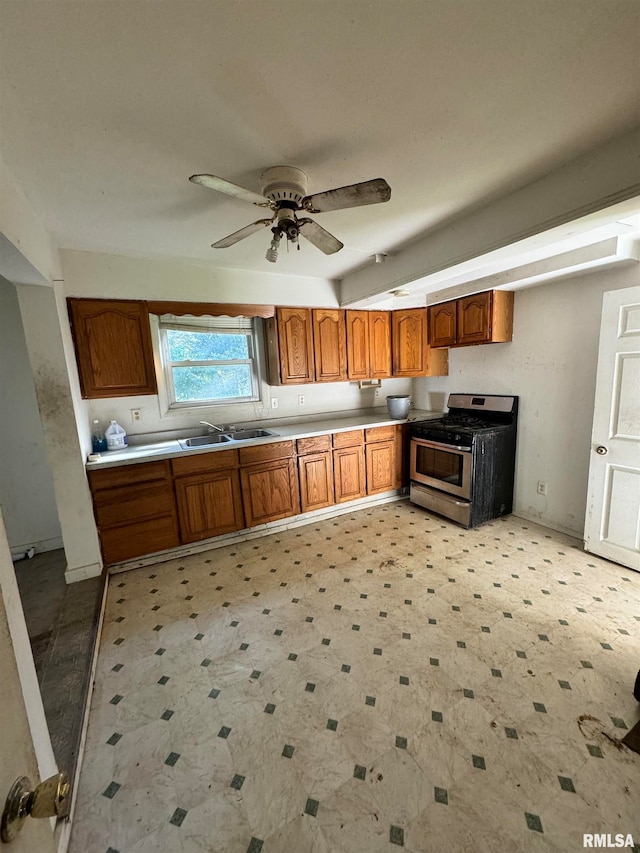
[(122, 505), (383, 433), (201, 463), (266, 452), (316, 444), (127, 475), (353, 438), (138, 539)]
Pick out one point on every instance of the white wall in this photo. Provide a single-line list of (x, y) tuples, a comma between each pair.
[(40, 308), (551, 364), (26, 488), (101, 276), (95, 275)]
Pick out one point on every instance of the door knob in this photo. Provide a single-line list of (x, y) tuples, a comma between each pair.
[(48, 799), (601, 450)]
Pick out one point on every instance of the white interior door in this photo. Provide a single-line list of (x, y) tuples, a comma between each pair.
[(612, 525), (25, 746)]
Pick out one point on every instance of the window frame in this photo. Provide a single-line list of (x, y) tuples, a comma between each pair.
[(213, 325)]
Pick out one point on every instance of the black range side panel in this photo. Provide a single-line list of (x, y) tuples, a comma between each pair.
[(494, 455)]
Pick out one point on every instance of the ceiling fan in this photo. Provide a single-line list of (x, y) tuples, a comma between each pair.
[(284, 192)]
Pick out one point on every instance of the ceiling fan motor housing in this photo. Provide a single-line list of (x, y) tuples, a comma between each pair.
[(284, 184)]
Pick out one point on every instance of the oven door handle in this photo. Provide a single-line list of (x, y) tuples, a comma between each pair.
[(441, 446)]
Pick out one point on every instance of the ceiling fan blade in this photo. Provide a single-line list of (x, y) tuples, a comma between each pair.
[(220, 185), (355, 195), (247, 231), (319, 236)]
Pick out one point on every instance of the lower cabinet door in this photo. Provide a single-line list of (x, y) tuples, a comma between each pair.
[(381, 467), (316, 481), (349, 473), (209, 505), (270, 491), (138, 539)]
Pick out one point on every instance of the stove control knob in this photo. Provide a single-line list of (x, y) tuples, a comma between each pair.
[(601, 450)]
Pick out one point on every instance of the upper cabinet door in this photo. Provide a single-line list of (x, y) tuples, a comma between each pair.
[(113, 347), (409, 342), (295, 345), (442, 324), (474, 318), (379, 344), (358, 344), (330, 344)]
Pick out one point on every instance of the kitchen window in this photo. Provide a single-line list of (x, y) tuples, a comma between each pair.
[(208, 360)]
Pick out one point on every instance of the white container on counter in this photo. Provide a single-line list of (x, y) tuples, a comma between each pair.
[(116, 436)]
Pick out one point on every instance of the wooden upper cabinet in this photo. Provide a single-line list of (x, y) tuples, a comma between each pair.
[(442, 324), (113, 347), (329, 344), (379, 344), (409, 340), (484, 318), (474, 319), (357, 323), (294, 346)]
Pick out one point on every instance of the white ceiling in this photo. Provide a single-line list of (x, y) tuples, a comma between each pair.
[(108, 107)]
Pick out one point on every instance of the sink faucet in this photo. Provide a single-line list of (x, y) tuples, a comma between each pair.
[(212, 427)]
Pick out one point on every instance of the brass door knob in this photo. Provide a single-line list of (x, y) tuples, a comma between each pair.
[(48, 799), (602, 450)]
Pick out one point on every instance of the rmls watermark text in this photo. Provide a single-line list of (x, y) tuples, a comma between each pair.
[(604, 840)]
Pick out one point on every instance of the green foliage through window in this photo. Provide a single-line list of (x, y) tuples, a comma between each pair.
[(208, 365)]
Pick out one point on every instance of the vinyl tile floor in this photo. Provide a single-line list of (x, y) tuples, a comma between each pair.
[(62, 623), (378, 681)]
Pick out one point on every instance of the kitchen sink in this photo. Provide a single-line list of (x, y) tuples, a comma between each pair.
[(244, 434), (224, 438), (203, 441)]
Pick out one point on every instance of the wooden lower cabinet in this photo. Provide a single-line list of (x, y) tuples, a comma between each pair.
[(135, 510), (209, 505), (154, 506), (316, 481), (387, 457), (270, 491), (382, 472), (349, 473)]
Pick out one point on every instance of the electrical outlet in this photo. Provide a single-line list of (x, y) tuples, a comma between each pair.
[(301, 399), (274, 402), (542, 487), (136, 415)]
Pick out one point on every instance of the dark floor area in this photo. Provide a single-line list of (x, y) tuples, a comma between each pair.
[(62, 622)]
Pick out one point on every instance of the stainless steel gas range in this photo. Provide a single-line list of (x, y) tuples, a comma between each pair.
[(463, 464)]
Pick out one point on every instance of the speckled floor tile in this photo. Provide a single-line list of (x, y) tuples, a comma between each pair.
[(379, 681)]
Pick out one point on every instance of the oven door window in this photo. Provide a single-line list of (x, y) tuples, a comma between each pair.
[(442, 465)]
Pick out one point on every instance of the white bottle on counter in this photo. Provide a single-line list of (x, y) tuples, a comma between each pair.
[(116, 436)]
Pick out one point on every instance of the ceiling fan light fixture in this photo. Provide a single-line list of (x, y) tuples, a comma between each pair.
[(284, 192), (272, 251)]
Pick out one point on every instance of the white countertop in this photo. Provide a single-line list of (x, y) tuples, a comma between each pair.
[(299, 429)]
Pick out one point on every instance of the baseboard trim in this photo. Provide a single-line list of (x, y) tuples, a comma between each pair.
[(39, 545), (82, 573), (67, 825), (552, 526), (260, 531)]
